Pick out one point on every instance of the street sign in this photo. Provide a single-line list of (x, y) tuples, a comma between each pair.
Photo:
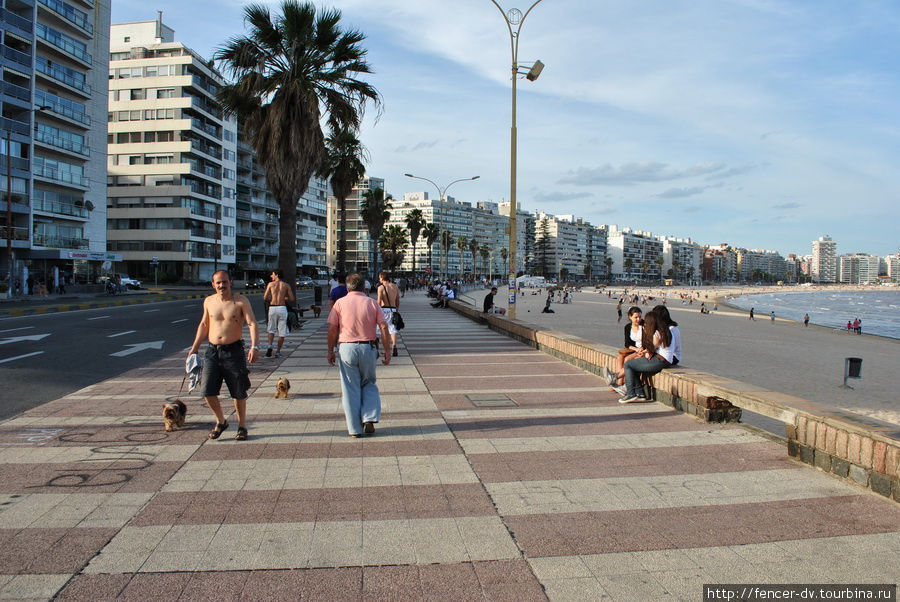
[(512, 289)]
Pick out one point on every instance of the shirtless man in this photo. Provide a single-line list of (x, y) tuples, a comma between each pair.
[(223, 314), (277, 294), (389, 300)]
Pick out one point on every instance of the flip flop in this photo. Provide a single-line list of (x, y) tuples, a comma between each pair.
[(241, 434), (217, 430)]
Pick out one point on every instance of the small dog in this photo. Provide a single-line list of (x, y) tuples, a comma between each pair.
[(316, 309), (282, 387), (173, 415)]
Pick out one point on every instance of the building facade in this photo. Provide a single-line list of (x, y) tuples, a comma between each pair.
[(682, 259), (635, 255), (823, 268), (359, 248), (53, 119), (172, 158)]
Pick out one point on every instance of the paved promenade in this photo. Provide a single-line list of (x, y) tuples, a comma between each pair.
[(497, 472)]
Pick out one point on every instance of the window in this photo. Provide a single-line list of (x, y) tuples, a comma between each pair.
[(165, 93), (127, 38), (138, 94)]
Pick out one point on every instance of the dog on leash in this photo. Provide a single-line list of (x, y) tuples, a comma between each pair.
[(173, 415), (282, 387), (317, 310)]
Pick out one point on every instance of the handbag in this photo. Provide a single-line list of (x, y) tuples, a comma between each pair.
[(397, 320)]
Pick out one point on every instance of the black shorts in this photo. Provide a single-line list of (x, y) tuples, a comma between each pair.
[(225, 363)]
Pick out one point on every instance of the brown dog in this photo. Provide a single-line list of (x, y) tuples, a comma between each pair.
[(282, 387), (173, 415), (317, 310)]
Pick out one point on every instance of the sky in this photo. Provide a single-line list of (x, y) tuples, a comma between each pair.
[(763, 124)]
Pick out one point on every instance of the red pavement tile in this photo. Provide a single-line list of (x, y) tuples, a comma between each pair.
[(155, 586), (49, 551), (539, 381), (475, 370), (273, 585), (525, 356), (215, 586), (688, 527), (94, 587), (392, 583), (588, 464), (332, 584), (300, 505), (123, 476), (553, 426), (450, 582)]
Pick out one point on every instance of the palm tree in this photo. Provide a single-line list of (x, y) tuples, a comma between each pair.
[(504, 255), (343, 166), (608, 262), (393, 243), (415, 221), (374, 211), (461, 243), (659, 262), (629, 263), (291, 73), (485, 253), (431, 233), (446, 243), (645, 267), (588, 271), (563, 274), (473, 249)]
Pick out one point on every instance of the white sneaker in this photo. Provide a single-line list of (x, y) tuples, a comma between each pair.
[(629, 399), (611, 377), (277, 354), (621, 390)]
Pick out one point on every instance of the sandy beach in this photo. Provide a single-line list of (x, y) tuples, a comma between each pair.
[(782, 355)]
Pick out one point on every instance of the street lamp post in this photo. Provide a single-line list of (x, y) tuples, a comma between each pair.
[(442, 192), (514, 20)]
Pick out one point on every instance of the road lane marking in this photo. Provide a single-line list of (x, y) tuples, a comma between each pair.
[(119, 334), (98, 318), (15, 329), (147, 311), (135, 347), (181, 320), (18, 357), (31, 337)]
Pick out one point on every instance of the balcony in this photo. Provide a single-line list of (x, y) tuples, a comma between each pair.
[(203, 233), (64, 76), (21, 23), (51, 173), (17, 233), (14, 125), (23, 58), (60, 204), (70, 14), (73, 146), (62, 107), (63, 42), (207, 149), (60, 242), (16, 91), (14, 162)]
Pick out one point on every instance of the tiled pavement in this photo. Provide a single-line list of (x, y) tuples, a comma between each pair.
[(497, 473)]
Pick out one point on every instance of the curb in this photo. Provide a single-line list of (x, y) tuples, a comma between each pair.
[(46, 309)]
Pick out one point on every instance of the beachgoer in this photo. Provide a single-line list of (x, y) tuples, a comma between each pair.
[(656, 354), (857, 326), (488, 306), (224, 360), (751, 315), (278, 294), (547, 309), (350, 323), (772, 315), (619, 311), (849, 326), (388, 297), (631, 350), (806, 320)]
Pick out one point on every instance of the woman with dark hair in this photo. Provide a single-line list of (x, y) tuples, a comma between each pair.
[(632, 349), (656, 354), (662, 314)]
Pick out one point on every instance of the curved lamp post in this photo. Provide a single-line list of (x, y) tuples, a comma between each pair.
[(442, 192), (514, 20)]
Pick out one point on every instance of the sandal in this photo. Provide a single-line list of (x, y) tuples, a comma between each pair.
[(241, 434), (217, 430)]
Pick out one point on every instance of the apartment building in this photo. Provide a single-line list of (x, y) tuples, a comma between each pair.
[(754, 265), (359, 248), (572, 246), (526, 230), (824, 260), (53, 95), (172, 158), (682, 259), (858, 268), (892, 267), (719, 263), (635, 254)]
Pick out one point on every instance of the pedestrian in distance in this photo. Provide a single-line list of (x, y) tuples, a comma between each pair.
[(751, 315), (351, 323), (488, 305), (224, 361), (806, 320), (278, 294), (772, 316), (389, 299), (547, 309)]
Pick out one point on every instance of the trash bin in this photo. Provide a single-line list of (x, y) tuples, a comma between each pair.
[(854, 367)]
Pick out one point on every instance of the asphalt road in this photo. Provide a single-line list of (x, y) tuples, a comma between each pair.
[(45, 357)]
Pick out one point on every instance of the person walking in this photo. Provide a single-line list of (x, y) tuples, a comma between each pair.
[(806, 320), (223, 313), (751, 315), (278, 294), (351, 322), (388, 296)]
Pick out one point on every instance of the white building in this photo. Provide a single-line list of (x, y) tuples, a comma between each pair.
[(525, 238), (171, 157), (892, 264), (635, 255), (359, 247), (683, 257), (858, 268), (824, 260), (755, 264), (55, 55)]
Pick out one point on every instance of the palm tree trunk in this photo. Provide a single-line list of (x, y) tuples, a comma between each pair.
[(287, 242), (342, 239), (414, 261)]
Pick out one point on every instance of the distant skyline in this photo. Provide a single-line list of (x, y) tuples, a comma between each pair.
[(760, 123)]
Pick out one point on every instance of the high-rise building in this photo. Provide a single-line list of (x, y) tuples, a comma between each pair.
[(635, 254), (757, 265), (526, 230), (824, 260), (172, 157), (892, 265), (359, 248), (858, 268), (569, 245), (683, 257), (53, 106), (719, 263)]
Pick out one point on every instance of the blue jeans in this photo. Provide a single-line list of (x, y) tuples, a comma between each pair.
[(359, 393), (634, 368)]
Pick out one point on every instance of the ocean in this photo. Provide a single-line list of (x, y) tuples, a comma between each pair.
[(879, 311)]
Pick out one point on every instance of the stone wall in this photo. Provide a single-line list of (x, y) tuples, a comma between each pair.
[(863, 450)]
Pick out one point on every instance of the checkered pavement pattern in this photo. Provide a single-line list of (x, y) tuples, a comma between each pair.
[(497, 473)]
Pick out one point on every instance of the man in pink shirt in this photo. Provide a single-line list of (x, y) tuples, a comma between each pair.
[(351, 323)]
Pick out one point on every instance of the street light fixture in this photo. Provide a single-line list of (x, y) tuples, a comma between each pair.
[(514, 20), (442, 192), (10, 260)]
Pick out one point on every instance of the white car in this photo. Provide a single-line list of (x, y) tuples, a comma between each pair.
[(129, 282)]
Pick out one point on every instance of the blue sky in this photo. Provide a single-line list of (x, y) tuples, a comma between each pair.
[(760, 123)]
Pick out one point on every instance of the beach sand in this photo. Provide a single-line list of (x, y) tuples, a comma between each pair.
[(781, 356)]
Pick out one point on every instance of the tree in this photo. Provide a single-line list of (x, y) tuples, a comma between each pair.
[(343, 166), (291, 73), (461, 243), (563, 274), (473, 249), (485, 252), (504, 255), (543, 245), (645, 267), (608, 262), (446, 243), (629, 263), (374, 211), (431, 233), (659, 262), (588, 272), (393, 243), (415, 222)]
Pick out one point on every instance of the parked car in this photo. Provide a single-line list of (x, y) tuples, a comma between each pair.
[(124, 280), (255, 284), (305, 282)]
